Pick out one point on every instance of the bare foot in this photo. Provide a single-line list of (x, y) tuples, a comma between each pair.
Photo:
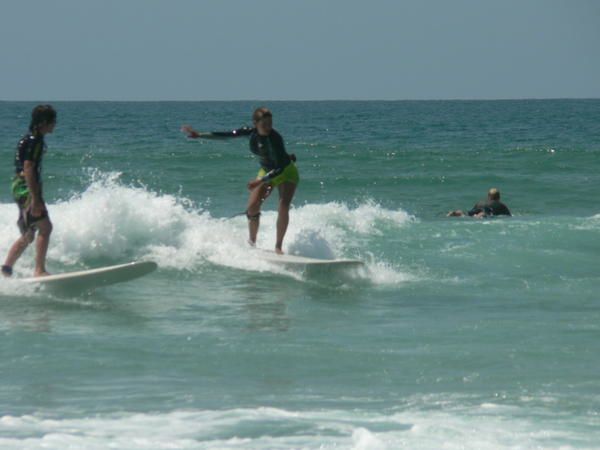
[(278, 251), (251, 244), (43, 273)]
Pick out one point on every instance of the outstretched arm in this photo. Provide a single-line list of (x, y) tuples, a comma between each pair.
[(193, 134), (190, 132)]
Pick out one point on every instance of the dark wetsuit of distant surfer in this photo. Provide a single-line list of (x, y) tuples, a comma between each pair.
[(27, 191), (489, 208), (277, 169), (486, 208)]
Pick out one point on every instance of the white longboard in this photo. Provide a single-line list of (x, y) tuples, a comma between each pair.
[(294, 260), (94, 278)]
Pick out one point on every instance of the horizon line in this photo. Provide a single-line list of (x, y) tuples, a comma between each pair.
[(310, 100)]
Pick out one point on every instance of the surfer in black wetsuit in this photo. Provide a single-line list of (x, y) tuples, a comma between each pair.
[(485, 208), (27, 191), (277, 169)]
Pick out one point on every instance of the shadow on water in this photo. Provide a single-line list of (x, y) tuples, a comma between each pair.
[(40, 311), (265, 308), (214, 296), (269, 302)]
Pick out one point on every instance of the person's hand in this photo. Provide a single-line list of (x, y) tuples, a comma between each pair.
[(191, 133), (253, 184)]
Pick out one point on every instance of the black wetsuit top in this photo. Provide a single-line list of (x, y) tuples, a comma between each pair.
[(490, 208), (30, 148), (270, 149)]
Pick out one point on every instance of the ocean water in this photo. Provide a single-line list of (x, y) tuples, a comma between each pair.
[(457, 334)]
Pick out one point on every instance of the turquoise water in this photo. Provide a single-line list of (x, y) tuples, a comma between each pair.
[(457, 334)]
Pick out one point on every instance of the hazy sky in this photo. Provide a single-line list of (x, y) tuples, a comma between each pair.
[(302, 49)]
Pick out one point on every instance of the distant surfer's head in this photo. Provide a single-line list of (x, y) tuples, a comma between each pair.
[(43, 119), (494, 194), (263, 120)]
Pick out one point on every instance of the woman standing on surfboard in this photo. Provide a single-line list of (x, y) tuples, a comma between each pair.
[(277, 169), (27, 191)]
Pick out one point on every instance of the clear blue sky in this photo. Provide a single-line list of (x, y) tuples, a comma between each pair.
[(298, 50)]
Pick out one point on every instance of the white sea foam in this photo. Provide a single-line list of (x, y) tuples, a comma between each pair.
[(271, 428), (12, 287), (110, 221), (589, 224)]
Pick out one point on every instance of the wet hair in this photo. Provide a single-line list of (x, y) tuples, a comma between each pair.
[(494, 194), (260, 113), (40, 115)]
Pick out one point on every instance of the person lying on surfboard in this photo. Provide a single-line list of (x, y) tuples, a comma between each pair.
[(277, 169), (485, 208), (27, 192)]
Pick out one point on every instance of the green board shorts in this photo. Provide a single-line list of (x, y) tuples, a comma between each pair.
[(20, 192), (289, 175)]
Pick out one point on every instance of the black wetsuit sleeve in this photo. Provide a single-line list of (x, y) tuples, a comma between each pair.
[(28, 149), (503, 211), (244, 131), (478, 208)]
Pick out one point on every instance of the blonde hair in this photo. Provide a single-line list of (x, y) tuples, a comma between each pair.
[(494, 194), (259, 113)]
